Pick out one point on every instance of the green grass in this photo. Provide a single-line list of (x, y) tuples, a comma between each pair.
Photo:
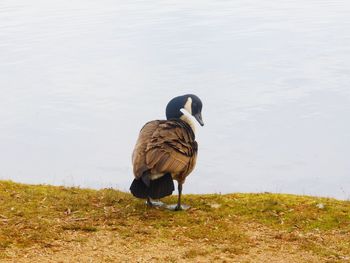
[(41, 214)]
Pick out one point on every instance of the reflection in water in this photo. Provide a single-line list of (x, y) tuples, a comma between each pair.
[(79, 79)]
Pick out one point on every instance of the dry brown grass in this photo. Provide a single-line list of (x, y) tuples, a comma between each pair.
[(49, 221)]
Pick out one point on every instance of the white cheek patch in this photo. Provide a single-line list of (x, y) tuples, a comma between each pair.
[(188, 120), (187, 114), (188, 105)]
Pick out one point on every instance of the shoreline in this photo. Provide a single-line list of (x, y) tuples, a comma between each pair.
[(59, 224)]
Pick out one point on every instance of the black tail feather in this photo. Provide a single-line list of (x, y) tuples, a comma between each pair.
[(139, 189), (161, 187), (158, 188)]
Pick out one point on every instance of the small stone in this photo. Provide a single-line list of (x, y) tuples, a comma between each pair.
[(216, 206), (320, 206)]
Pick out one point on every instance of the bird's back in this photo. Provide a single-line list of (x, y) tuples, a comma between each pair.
[(165, 146)]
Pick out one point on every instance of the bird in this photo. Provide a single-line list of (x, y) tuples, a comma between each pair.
[(166, 150)]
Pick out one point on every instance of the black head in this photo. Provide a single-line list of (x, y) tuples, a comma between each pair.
[(191, 103)]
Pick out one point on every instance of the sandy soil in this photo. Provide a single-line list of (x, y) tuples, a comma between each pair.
[(265, 245)]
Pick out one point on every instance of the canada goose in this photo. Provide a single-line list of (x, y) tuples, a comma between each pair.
[(166, 150)]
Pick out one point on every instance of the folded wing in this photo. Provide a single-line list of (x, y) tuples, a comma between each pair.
[(165, 147)]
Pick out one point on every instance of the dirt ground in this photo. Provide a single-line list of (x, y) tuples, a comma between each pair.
[(40, 223), (265, 245)]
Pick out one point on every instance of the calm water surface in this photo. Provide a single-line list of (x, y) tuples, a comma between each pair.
[(78, 79)]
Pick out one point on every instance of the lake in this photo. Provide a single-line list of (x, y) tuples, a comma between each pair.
[(78, 79)]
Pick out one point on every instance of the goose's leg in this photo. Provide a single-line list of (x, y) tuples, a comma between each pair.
[(149, 202), (178, 206)]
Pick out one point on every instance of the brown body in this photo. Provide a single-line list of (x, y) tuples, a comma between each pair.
[(165, 146)]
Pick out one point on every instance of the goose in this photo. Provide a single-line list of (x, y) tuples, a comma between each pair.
[(166, 150)]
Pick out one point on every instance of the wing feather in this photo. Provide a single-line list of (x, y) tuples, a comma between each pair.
[(165, 147), (139, 153)]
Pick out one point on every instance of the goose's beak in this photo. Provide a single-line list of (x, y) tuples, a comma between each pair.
[(198, 117)]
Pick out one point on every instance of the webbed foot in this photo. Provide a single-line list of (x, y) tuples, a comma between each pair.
[(152, 203), (176, 207)]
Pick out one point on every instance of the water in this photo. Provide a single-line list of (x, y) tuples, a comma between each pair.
[(80, 78)]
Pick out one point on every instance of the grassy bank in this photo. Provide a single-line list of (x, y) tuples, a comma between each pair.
[(221, 226)]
